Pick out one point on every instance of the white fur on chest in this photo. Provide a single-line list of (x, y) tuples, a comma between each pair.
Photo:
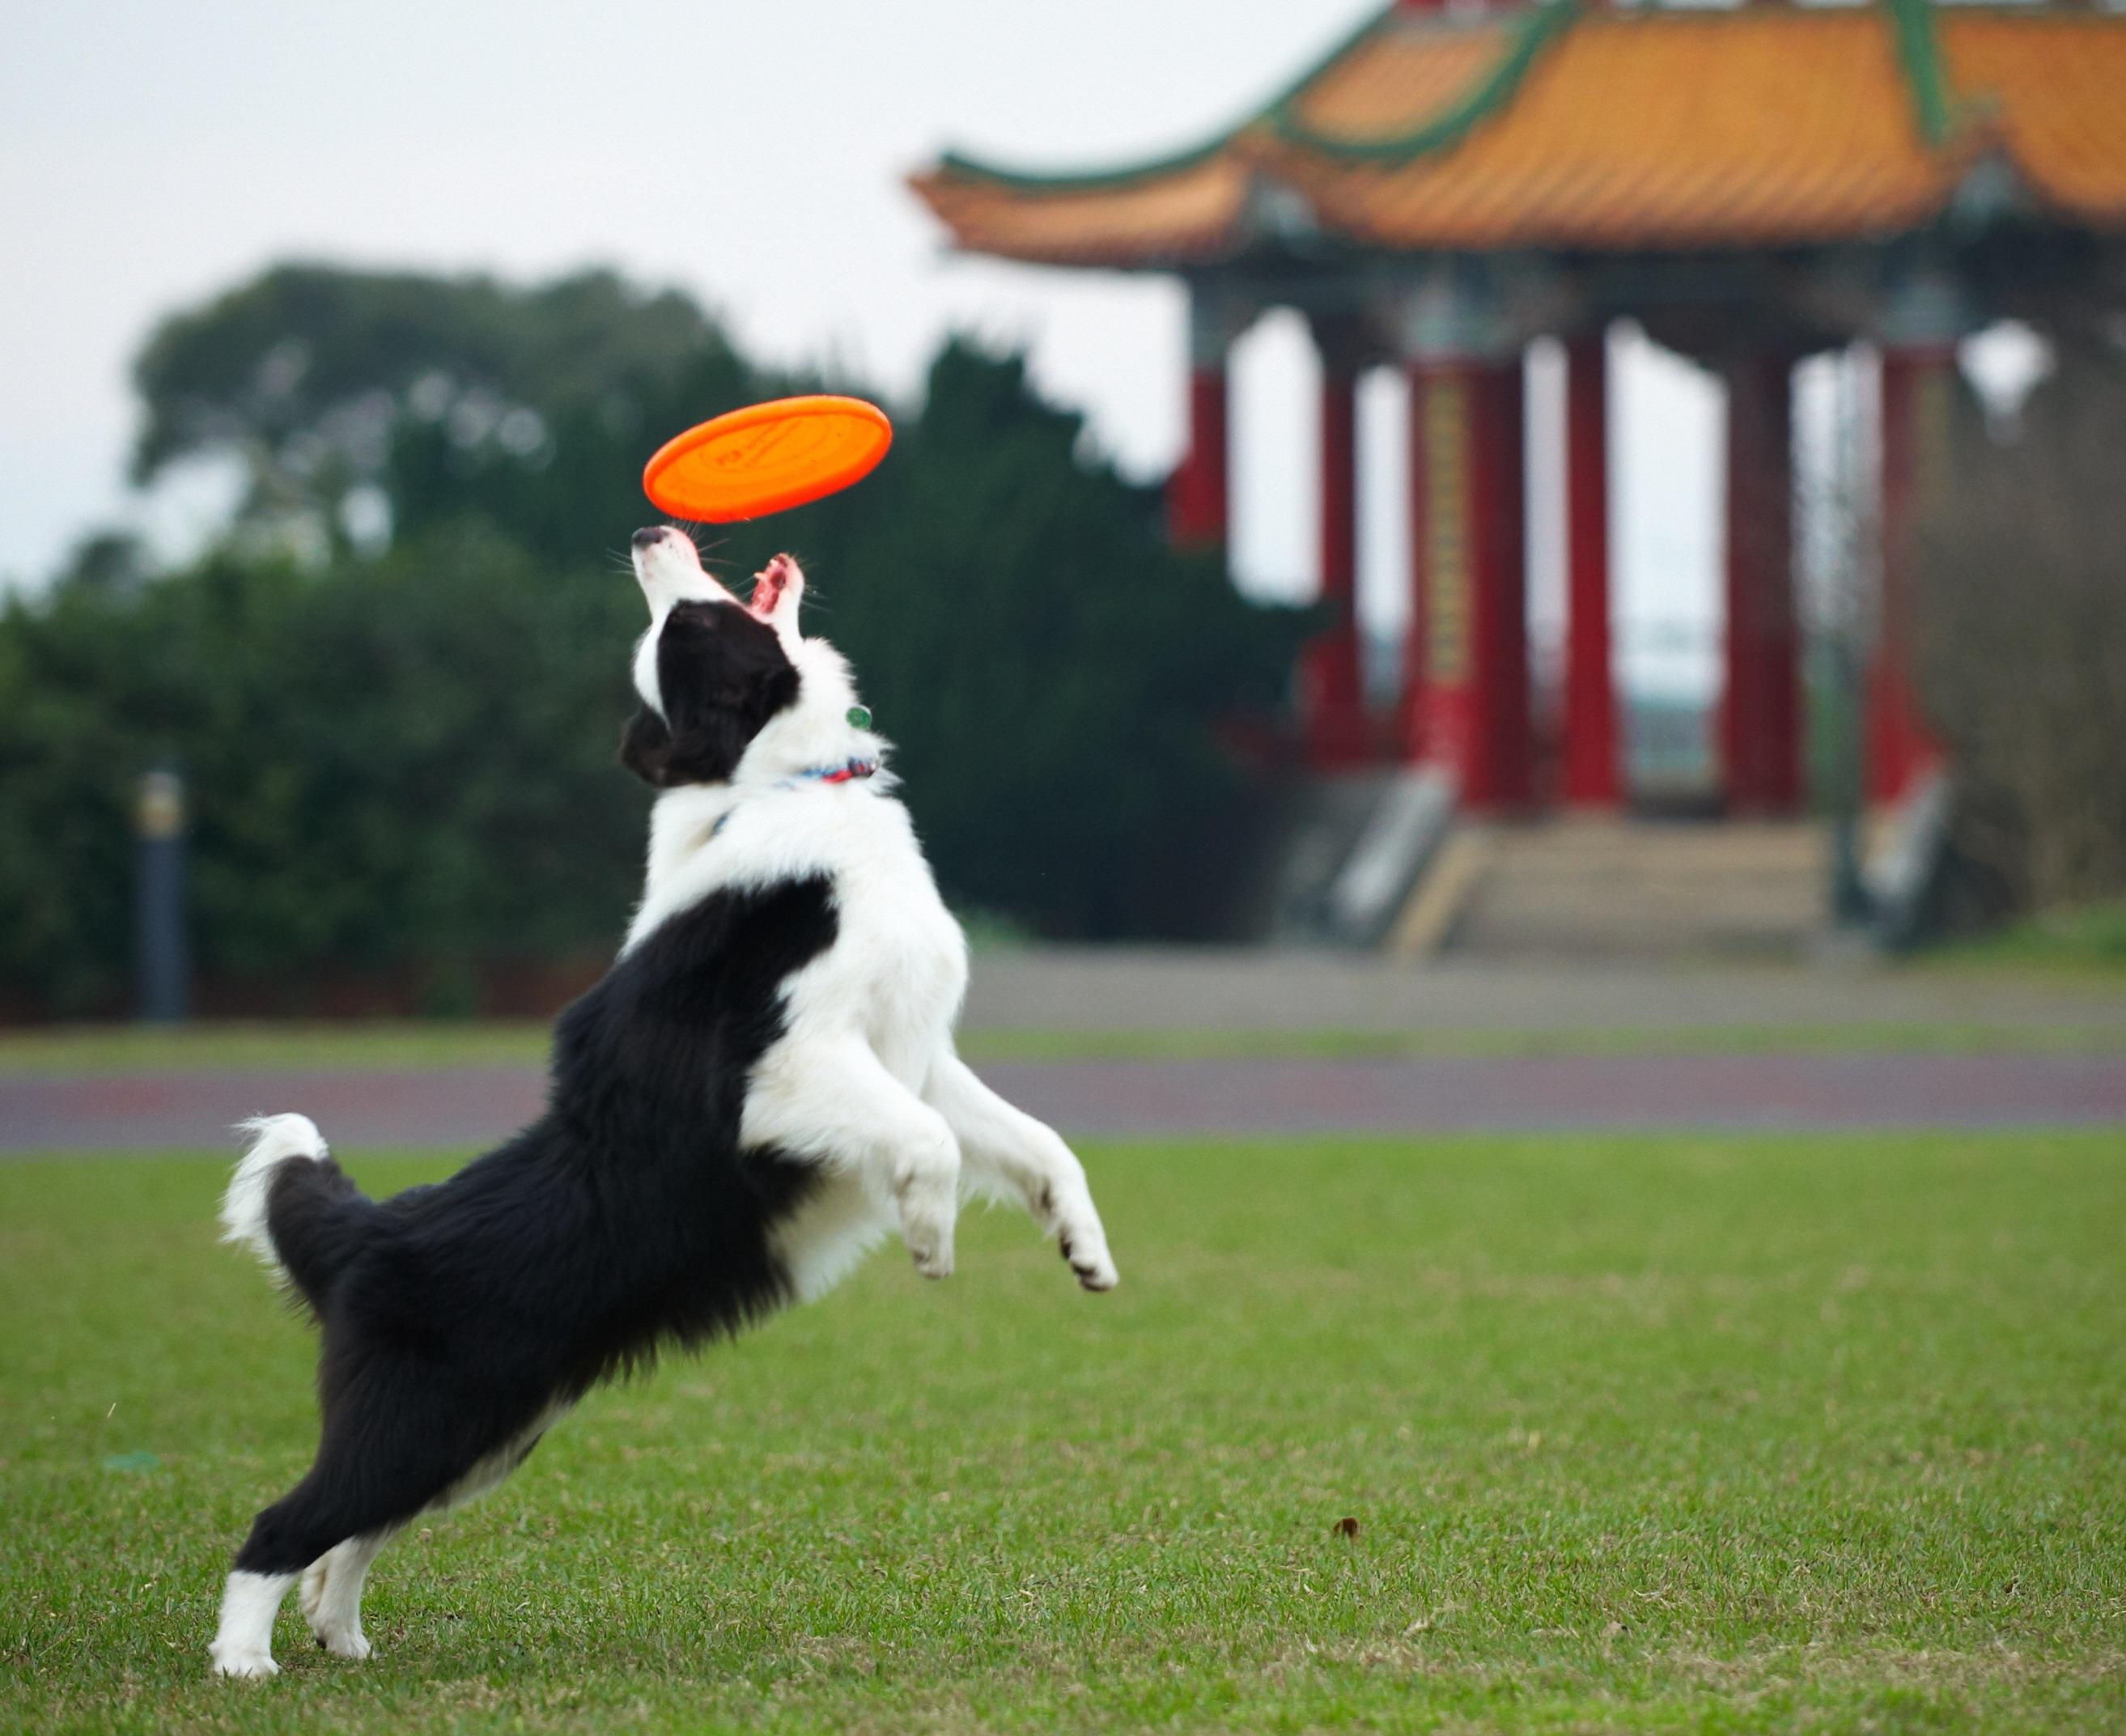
[(892, 982), (897, 970)]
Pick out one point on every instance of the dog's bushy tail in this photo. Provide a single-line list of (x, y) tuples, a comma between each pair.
[(295, 1207)]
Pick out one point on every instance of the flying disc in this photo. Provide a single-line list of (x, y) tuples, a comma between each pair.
[(767, 458)]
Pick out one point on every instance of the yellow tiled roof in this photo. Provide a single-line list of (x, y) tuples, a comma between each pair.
[(2052, 89), (1612, 130), (1182, 214), (1399, 79)]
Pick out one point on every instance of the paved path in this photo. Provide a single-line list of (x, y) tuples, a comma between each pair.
[(469, 1105), (1229, 989)]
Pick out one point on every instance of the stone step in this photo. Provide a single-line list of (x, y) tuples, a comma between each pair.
[(1686, 846), (1624, 888)]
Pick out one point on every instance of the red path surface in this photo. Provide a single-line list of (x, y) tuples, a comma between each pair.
[(470, 1105)]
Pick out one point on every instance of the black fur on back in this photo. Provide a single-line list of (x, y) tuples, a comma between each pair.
[(627, 1217), (722, 674)]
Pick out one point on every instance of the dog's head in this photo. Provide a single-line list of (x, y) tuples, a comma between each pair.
[(727, 684)]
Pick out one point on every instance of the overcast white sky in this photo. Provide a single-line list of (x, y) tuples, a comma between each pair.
[(151, 153)]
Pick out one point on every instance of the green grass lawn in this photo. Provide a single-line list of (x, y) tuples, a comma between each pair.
[(1685, 1433), (445, 1044), (2087, 943)]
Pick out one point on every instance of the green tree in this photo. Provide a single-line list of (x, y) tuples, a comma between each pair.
[(402, 767), (2021, 619), (1051, 669), (403, 764), (533, 406)]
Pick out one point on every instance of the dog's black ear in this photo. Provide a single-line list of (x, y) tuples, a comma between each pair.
[(722, 675), (645, 748), (712, 737), (704, 752), (707, 750)]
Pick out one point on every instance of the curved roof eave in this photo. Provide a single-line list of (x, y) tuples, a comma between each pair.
[(1033, 180), (1410, 184)]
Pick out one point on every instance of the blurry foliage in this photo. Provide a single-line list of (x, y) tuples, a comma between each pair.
[(405, 763), (2023, 617), (1049, 669), (534, 406)]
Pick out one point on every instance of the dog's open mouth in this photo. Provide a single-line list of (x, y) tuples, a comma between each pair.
[(769, 584)]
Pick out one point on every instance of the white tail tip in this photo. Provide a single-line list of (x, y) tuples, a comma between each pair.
[(274, 1139)]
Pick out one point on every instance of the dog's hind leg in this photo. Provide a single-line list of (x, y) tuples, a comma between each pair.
[(292, 1536), (324, 1533), (331, 1589), (1004, 1144), (369, 1479), (244, 1641), (401, 1438), (331, 1594)]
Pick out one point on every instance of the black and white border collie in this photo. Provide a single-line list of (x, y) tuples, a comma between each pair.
[(762, 1086)]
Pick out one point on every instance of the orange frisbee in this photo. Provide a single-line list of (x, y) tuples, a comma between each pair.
[(767, 457)]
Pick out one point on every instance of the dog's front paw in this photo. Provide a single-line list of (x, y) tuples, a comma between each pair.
[(929, 1239), (926, 1198), (1086, 1249), (255, 1663)]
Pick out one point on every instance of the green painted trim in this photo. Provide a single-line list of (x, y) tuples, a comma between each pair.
[(1937, 111), (1919, 50), (1536, 31), (1123, 175), (1086, 181)]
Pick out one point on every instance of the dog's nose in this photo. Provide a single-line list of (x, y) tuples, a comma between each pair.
[(647, 535)]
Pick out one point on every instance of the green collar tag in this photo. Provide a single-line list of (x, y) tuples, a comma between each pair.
[(860, 716)]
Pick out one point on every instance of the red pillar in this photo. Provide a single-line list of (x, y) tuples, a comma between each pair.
[(1592, 775), (1195, 493), (1760, 719), (1336, 735), (1919, 384), (1468, 421)]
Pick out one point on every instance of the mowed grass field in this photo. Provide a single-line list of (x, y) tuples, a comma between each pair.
[(1684, 1433), (207, 1047)]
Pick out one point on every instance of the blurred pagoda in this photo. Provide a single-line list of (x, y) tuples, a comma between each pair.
[(1750, 185)]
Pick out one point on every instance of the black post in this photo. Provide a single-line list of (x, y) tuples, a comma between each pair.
[(1846, 644), (158, 911), (1851, 906)]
